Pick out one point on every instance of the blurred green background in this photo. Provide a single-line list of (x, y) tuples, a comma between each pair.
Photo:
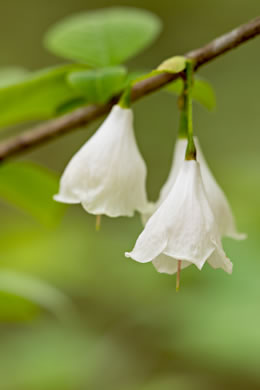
[(97, 320)]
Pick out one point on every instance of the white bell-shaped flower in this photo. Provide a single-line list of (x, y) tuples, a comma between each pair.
[(107, 175), (183, 228), (216, 197)]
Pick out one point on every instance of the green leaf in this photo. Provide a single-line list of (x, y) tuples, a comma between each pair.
[(175, 87), (202, 92), (35, 291), (15, 308), (105, 37), (172, 65), (48, 356), (70, 105), (99, 85), (12, 75), (37, 96), (136, 75), (31, 188)]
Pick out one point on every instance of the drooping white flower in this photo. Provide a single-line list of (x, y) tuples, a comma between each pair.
[(216, 197), (107, 175), (182, 228)]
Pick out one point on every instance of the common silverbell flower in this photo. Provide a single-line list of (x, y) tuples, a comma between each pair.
[(107, 175), (216, 197), (183, 230)]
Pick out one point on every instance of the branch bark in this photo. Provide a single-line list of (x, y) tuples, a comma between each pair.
[(84, 115)]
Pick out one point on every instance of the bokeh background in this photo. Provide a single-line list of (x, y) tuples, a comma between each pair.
[(118, 324)]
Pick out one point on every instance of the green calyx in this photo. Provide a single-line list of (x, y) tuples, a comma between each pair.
[(125, 100), (191, 152)]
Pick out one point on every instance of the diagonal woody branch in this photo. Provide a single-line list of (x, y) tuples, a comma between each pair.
[(83, 116)]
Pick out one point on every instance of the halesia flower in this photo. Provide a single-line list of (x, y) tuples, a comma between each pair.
[(183, 228), (107, 175), (216, 197)]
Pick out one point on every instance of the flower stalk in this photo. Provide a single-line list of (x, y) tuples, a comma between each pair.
[(185, 105)]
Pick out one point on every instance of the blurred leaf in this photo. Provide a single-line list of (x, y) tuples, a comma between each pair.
[(140, 76), (176, 87), (202, 92), (172, 65), (37, 96), (184, 381), (105, 37), (136, 75), (70, 105), (37, 292), (31, 188), (15, 308), (12, 75), (99, 85), (46, 358)]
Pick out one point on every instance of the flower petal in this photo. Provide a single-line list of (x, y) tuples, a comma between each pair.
[(168, 265), (216, 196), (108, 173), (218, 200), (183, 227), (151, 242), (151, 208), (218, 259), (66, 198)]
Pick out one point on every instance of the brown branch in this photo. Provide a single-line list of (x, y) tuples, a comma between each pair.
[(83, 116)]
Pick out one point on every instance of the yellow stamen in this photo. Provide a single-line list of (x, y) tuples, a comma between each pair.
[(178, 276), (98, 222)]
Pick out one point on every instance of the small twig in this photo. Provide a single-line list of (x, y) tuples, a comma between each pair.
[(83, 116)]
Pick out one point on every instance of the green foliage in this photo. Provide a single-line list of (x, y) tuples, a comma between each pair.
[(54, 91), (51, 358), (99, 85), (12, 75), (105, 37), (135, 76), (172, 65), (31, 188), (70, 105), (14, 308), (202, 92), (18, 288), (36, 96)]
